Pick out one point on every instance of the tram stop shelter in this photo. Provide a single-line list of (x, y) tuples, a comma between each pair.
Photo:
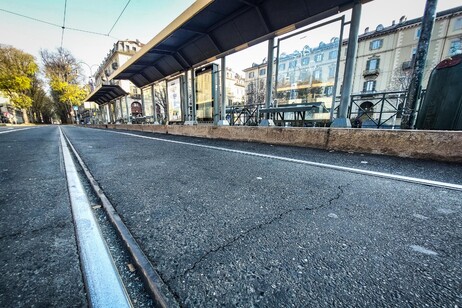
[(212, 29)]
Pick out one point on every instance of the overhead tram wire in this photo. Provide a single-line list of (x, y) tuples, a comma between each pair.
[(56, 25), (64, 23), (118, 17)]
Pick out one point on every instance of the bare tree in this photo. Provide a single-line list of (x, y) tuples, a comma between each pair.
[(64, 75), (160, 97), (400, 80)]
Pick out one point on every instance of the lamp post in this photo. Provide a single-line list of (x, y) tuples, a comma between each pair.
[(91, 85)]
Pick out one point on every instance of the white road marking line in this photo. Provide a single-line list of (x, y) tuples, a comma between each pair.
[(423, 250), (311, 163), (102, 281), (14, 130), (420, 216)]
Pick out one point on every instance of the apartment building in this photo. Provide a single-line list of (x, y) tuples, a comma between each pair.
[(384, 61), (121, 52)]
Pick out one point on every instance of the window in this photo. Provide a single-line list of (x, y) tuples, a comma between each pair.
[(293, 64), (372, 64), (134, 48), (328, 91), (332, 71), (318, 57), (262, 71), (455, 48), (317, 74), (417, 33), (305, 60), (376, 44), (369, 86), (458, 24), (282, 66), (332, 54), (251, 74), (304, 75)]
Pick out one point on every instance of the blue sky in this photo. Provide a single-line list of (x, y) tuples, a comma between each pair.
[(142, 20)]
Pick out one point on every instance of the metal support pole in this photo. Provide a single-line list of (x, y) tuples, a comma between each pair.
[(167, 103), (111, 112), (154, 112), (352, 47), (129, 121), (410, 106), (223, 121), (334, 90), (215, 96), (121, 109), (192, 118), (143, 109), (269, 83), (185, 100)]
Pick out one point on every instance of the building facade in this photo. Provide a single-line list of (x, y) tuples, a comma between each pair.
[(114, 111), (383, 64), (385, 54)]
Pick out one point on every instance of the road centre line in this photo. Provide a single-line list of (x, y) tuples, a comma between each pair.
[(14, 130), (425, 182), (102, 281)]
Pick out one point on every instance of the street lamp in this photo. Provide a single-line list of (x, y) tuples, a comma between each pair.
[(91, 84)]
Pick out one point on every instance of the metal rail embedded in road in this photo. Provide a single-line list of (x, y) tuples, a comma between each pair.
[(150, 277), (102, 281)]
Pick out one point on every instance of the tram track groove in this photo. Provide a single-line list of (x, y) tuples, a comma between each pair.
[(103, 283), (151, 278)]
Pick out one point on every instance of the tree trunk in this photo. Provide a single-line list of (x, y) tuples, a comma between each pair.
[(25, 116)]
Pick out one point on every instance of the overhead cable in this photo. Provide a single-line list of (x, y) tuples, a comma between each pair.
[(56, 25), (118, 17), (64, 23)]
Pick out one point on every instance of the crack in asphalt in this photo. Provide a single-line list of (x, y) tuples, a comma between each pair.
[(259, 226)]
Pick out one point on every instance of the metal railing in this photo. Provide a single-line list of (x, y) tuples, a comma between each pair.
[(378, 110), (247, 115)]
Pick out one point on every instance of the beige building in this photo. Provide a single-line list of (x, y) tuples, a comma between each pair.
[(385, 54), (235, 88), (116, 110), (383, 64)]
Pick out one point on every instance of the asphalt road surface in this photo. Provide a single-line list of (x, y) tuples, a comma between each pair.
[(226, 228)]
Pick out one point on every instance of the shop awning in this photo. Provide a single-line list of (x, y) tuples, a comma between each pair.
[(210, 29), (105, 93)]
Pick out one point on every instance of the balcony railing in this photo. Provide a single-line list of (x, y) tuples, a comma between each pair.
[(374, 72), (135, 95)]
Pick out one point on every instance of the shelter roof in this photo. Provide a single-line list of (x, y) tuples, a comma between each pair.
[(210, 29), (106, 93)]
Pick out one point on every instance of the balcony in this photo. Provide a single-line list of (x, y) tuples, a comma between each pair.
[(371, 73), (406, 65), (135, 95)]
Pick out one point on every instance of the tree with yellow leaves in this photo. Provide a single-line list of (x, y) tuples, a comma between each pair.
[(17, 69), (63, 73)]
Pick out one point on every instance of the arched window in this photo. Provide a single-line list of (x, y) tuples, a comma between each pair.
[(137, 110)]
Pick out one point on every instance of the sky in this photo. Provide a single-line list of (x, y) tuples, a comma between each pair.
[(142, 20)]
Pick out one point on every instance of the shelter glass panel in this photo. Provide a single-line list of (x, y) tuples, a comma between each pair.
[(309, 79), (204, 94), (174, 100), (148, 108)]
